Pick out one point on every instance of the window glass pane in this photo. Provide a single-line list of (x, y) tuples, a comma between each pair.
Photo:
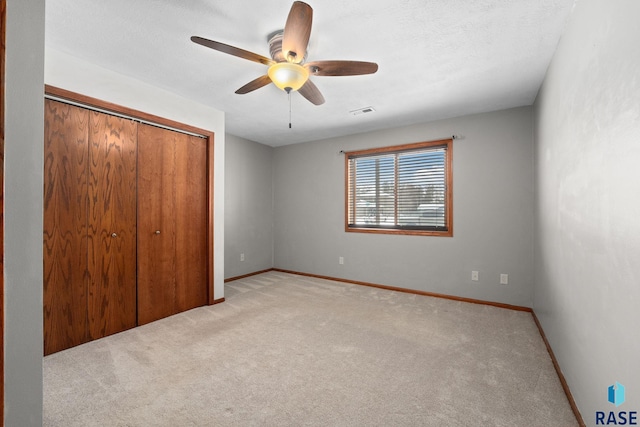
[(421, 188), (374, 190)]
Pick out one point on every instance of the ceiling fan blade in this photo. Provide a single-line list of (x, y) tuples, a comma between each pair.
[(341, 68), (311, 92), (254, 84), (231, 50), (297, 31)]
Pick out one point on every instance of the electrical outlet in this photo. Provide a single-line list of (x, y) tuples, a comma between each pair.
[(474, 276), (504, 279), (241, 257), (341, 260)]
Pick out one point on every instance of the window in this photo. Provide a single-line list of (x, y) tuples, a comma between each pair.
[(405, 189)]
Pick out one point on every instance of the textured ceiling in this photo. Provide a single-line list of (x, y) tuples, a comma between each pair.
[(437, 58)]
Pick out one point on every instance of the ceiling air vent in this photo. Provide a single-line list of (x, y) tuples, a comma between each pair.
[(362, 111)]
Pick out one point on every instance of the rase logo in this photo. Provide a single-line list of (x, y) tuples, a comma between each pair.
[(616, 396)]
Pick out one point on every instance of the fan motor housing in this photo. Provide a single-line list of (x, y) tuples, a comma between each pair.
[(275, 47)]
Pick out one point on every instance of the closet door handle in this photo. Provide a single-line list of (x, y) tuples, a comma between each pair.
[(157, 231), (114, 235)]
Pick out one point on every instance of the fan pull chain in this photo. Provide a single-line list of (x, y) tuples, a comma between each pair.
[(289, 93)]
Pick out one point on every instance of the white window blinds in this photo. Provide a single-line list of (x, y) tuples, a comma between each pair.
[(403, 189)]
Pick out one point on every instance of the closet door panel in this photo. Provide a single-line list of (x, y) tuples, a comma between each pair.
[(156, 227), (65, 226), (191, 222), (172, 199), (112, 225)]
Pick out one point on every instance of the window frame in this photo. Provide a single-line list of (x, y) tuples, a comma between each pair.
[(447, 144)]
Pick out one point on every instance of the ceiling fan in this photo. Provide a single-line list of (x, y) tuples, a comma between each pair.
[(288, 68)]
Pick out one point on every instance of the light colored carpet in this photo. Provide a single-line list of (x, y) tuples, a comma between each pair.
[(287, 350)]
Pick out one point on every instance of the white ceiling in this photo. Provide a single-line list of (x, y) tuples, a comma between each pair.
[(437, 58)]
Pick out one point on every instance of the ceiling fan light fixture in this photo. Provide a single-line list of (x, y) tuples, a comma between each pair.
[(289, 48), (287, 75)]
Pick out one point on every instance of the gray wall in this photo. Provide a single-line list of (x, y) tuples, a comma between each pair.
[(493, 212), (587, 256), (248, 207), (24, 119)]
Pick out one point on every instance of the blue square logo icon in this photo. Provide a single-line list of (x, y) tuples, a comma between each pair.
[(616, 394)]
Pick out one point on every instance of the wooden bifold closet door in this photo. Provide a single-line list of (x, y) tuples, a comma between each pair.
[(172, 222), (112, 225), (126, 224), (66, 166), (89, 235)]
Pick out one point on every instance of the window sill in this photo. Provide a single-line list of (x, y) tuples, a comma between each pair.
[(447, 233)]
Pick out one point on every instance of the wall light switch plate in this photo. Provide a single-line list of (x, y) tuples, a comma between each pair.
[(504, 279), (474, 276)]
